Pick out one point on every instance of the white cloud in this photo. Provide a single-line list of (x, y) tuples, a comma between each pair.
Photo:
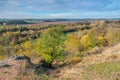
[(61, 15)]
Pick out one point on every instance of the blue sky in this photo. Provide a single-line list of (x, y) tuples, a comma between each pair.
[(59, 9)]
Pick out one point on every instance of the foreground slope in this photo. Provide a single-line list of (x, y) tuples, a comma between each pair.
[(103, 66)]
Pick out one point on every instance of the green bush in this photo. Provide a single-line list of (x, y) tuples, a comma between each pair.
[(51, 45)]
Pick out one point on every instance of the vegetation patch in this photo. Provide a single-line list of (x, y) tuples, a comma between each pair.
[(102, 70)]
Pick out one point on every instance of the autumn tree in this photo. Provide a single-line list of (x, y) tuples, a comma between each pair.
[(72, 45), (51, 45)]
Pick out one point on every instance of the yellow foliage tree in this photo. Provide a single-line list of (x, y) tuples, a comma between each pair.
[(72, 45), (87, 41), (101, 41), (28, 49)]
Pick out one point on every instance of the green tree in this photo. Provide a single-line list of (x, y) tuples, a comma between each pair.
[(51, 45)]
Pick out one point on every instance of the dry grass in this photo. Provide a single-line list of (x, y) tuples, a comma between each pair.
[(102, 71)]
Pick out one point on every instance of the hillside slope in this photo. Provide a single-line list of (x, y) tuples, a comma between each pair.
[(103, 66)]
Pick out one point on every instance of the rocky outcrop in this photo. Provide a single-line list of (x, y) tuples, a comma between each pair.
[(15, 66), (21, 68)]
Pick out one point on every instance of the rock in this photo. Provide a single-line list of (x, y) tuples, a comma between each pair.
[(14, 66), (21, 57), (17, 67)]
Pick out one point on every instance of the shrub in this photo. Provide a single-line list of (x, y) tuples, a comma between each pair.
[(51, 45), (83, 27), (113, 37), (76, 60), (72, 44), (1, 57), (2, 52), (101, 41), (28, 49), (88, 41)]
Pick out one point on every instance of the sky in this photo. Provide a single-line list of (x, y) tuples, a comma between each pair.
[(25, 9)]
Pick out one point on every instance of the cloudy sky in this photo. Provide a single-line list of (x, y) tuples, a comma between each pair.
[(59, 9)]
